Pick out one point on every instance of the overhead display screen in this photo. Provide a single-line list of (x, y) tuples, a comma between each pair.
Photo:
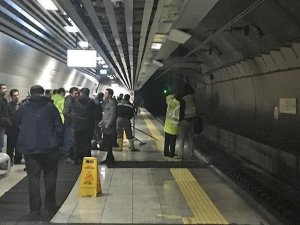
[(81, 58)]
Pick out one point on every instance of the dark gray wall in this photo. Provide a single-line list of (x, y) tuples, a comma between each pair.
[(238, 109)]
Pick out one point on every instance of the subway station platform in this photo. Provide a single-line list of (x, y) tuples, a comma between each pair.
[(140, 188)]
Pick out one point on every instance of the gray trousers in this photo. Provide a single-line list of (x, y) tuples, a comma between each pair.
[(124, 124), (186, 140)]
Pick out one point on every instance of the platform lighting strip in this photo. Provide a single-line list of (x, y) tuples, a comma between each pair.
[(29, 17), (29, 27), (48, 4)]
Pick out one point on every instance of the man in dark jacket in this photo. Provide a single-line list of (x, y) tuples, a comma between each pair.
[(125, 111), (108, 124), (83, 109), (12, 132), (98, 117), (41, 133), (4, 122), (69, 124)]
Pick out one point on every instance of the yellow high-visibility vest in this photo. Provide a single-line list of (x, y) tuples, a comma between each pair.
[(172, 115)]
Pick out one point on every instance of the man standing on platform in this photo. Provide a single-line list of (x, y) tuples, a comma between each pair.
[(83, 109), (108, 124), (4, 121), (41, 133), (12, 132), (125, 112)]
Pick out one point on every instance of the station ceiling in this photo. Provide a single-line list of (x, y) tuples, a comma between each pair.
[(196, 36)]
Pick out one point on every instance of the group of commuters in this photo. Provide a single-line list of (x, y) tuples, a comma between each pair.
[(180, 119), (46, 122)]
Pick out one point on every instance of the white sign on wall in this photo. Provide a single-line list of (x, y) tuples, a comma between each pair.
[(288, 105)]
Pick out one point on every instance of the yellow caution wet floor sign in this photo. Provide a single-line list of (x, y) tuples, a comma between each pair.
[(89, 178)]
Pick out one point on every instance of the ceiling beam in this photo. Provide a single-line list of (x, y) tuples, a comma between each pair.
[(145, 23), (98, 26), (129, 27), (154, 27), (110, 12), (66, 38), (71, 11)]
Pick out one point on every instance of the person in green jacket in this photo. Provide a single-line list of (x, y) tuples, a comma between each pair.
[(59, 102), (173, 116)]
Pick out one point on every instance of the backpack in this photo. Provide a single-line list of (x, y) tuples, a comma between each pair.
[(198, 125)]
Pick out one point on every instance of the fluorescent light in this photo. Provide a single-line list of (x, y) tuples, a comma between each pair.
[(83, 44), (48, 4), (103, 72), (156, 45), (71, 29), (158, 38), (81, 58)]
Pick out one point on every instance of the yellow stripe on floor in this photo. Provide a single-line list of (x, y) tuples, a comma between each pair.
[(204, 210), (153, 130)]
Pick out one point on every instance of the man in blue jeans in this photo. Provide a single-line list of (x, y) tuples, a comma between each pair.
[(41, 133)]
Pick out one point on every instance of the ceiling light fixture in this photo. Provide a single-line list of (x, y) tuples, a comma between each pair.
[(71, 29), (156, 45), (48, 4), (83, 44)]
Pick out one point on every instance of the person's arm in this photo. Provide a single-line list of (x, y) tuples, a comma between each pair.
[(113, 117), (57, 125), (182, 108)]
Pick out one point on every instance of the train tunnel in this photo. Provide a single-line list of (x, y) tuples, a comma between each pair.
[(241, 57)]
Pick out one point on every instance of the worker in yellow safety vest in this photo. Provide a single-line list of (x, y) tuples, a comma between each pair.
[(173, 116)]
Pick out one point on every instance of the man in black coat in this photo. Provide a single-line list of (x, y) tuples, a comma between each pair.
[(12, 132), (4, 121), (83, 109), (41, 133)]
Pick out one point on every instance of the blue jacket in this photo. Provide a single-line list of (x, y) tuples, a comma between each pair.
[(41, 128)]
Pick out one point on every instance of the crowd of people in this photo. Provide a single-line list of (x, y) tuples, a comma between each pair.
[(47, 124)]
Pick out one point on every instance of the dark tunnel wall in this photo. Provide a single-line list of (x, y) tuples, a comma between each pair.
[(239, 114), (154, 98), (246, 106), (239, 83)]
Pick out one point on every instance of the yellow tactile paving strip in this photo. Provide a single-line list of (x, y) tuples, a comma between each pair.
[(153, 130), (204, 210)]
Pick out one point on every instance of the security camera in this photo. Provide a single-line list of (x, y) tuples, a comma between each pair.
[(117, 3)]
